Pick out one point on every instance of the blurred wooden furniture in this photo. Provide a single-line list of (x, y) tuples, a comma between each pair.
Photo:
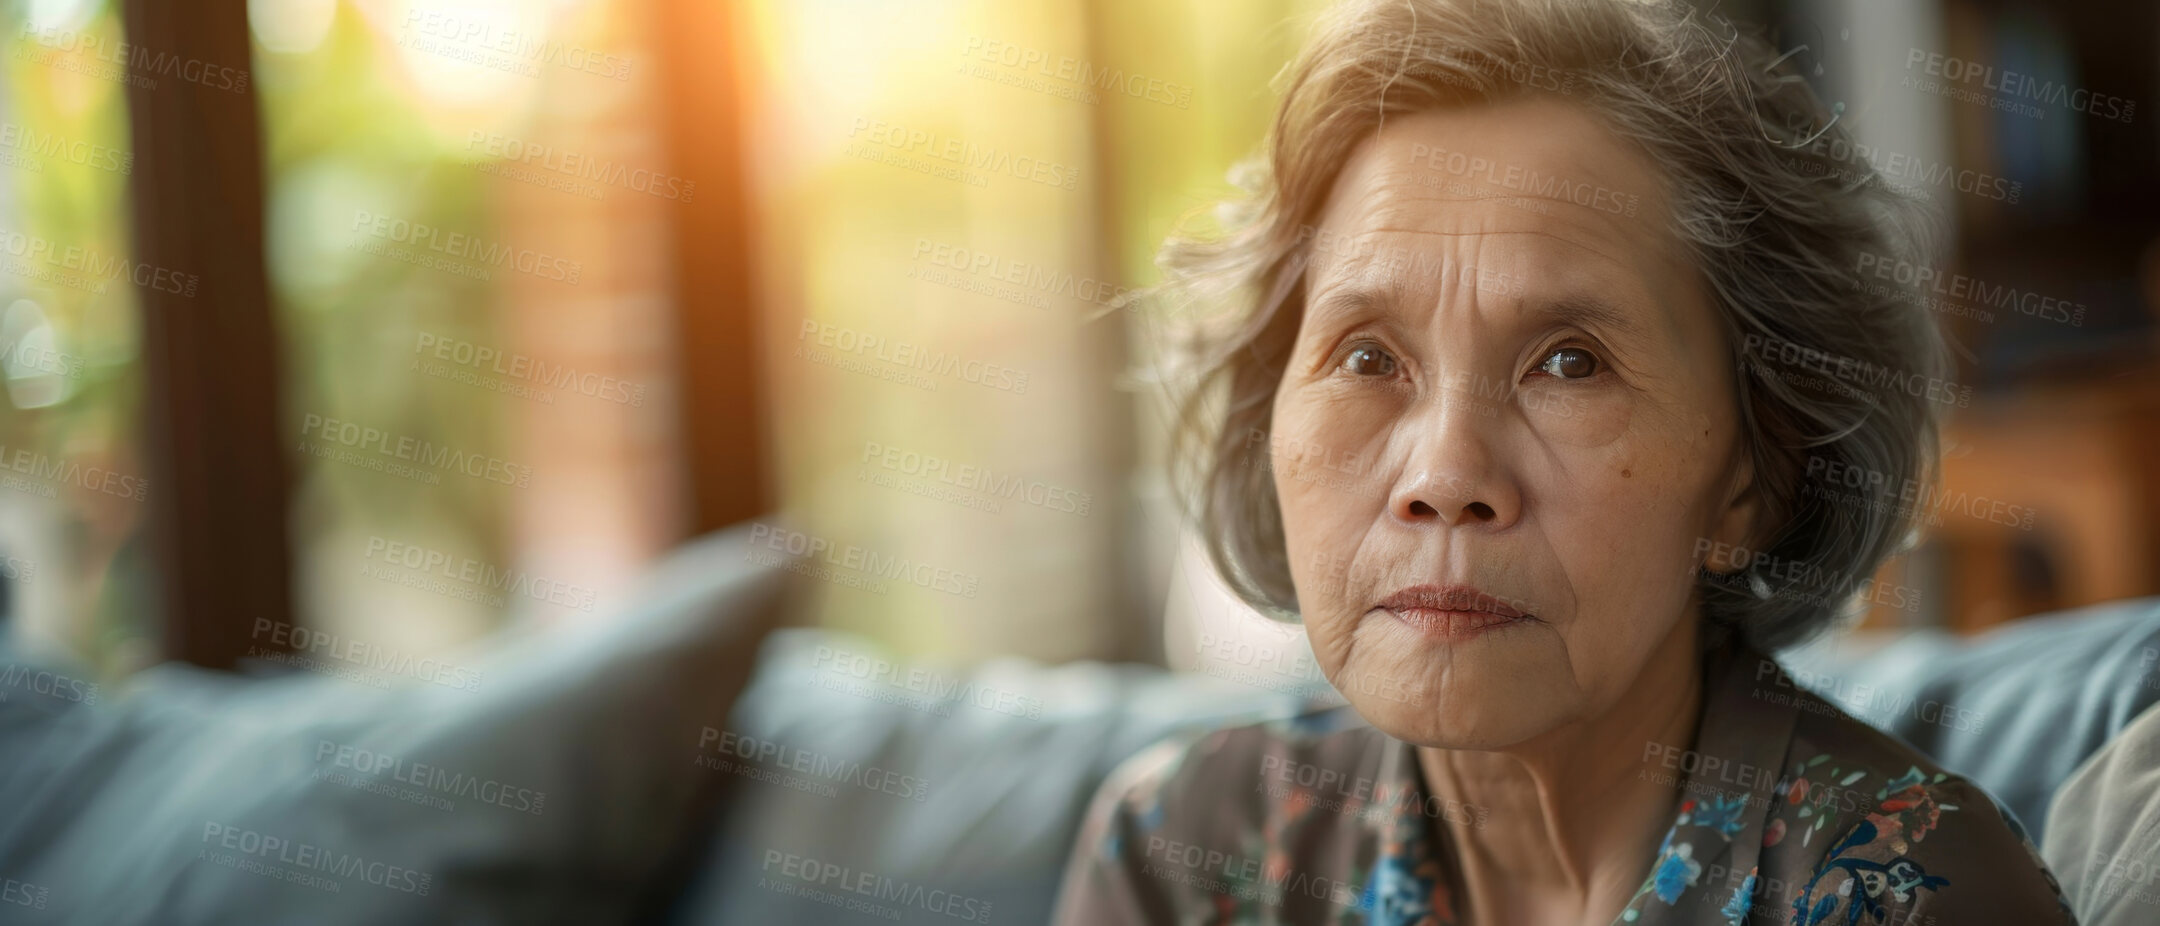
[(2086, 459)]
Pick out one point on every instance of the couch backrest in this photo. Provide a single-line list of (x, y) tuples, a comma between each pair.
[(993, 776)]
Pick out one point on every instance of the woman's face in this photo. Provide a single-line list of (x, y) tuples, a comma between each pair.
[(1507, 427)]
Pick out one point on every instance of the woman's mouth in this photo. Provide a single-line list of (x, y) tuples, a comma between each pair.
[(1454, 612)]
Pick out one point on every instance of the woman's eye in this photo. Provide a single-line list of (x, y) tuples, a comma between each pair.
[(1368, 360), (1570, 363)]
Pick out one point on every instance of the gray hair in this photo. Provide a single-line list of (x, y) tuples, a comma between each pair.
[(1833, 375)]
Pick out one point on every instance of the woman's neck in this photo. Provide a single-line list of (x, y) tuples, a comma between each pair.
[(1570, 821)]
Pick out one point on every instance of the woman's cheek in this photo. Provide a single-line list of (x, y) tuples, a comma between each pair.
[(1325, 449), (1328, 625), (1621, 521), (1577, 414)]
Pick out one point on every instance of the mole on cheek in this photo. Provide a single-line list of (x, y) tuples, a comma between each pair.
[(1626, 474)]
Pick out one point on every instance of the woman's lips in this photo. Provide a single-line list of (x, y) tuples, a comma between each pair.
[(1454, 625), (1456, 612)]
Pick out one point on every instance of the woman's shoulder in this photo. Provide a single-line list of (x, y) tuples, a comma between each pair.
[(1861, 819), (1205, 822)]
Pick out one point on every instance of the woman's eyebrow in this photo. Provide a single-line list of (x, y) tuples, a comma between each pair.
[(1359, 300), (1582, 310)]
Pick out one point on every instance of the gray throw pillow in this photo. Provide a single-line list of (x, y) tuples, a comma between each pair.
[(548, 778)]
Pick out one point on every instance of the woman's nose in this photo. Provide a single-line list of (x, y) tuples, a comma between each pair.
[(1453, 474)]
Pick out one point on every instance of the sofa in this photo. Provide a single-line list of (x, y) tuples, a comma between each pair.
[(695, 759)]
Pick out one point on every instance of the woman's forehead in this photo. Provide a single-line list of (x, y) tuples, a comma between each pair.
[(1530, 167), (1533, 147), (1530, 199)]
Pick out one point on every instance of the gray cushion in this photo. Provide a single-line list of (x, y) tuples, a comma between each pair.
[(159, 806), (995, 764)]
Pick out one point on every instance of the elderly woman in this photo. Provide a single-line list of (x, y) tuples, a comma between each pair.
[(1548, 313)]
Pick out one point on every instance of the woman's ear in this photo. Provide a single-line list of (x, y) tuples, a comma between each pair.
[(1737, 521)]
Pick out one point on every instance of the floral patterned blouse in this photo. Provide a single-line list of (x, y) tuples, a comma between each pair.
[(1789, 811)]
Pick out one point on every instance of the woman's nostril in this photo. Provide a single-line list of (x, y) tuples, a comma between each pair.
[(1481, 511), (1422, 510)]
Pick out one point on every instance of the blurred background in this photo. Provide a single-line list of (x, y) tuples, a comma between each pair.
[(455, 313)]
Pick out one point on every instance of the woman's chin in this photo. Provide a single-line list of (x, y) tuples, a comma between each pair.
[(1494, 692)]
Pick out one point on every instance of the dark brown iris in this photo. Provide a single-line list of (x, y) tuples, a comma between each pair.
[(1570, 363), (1369, 361)]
